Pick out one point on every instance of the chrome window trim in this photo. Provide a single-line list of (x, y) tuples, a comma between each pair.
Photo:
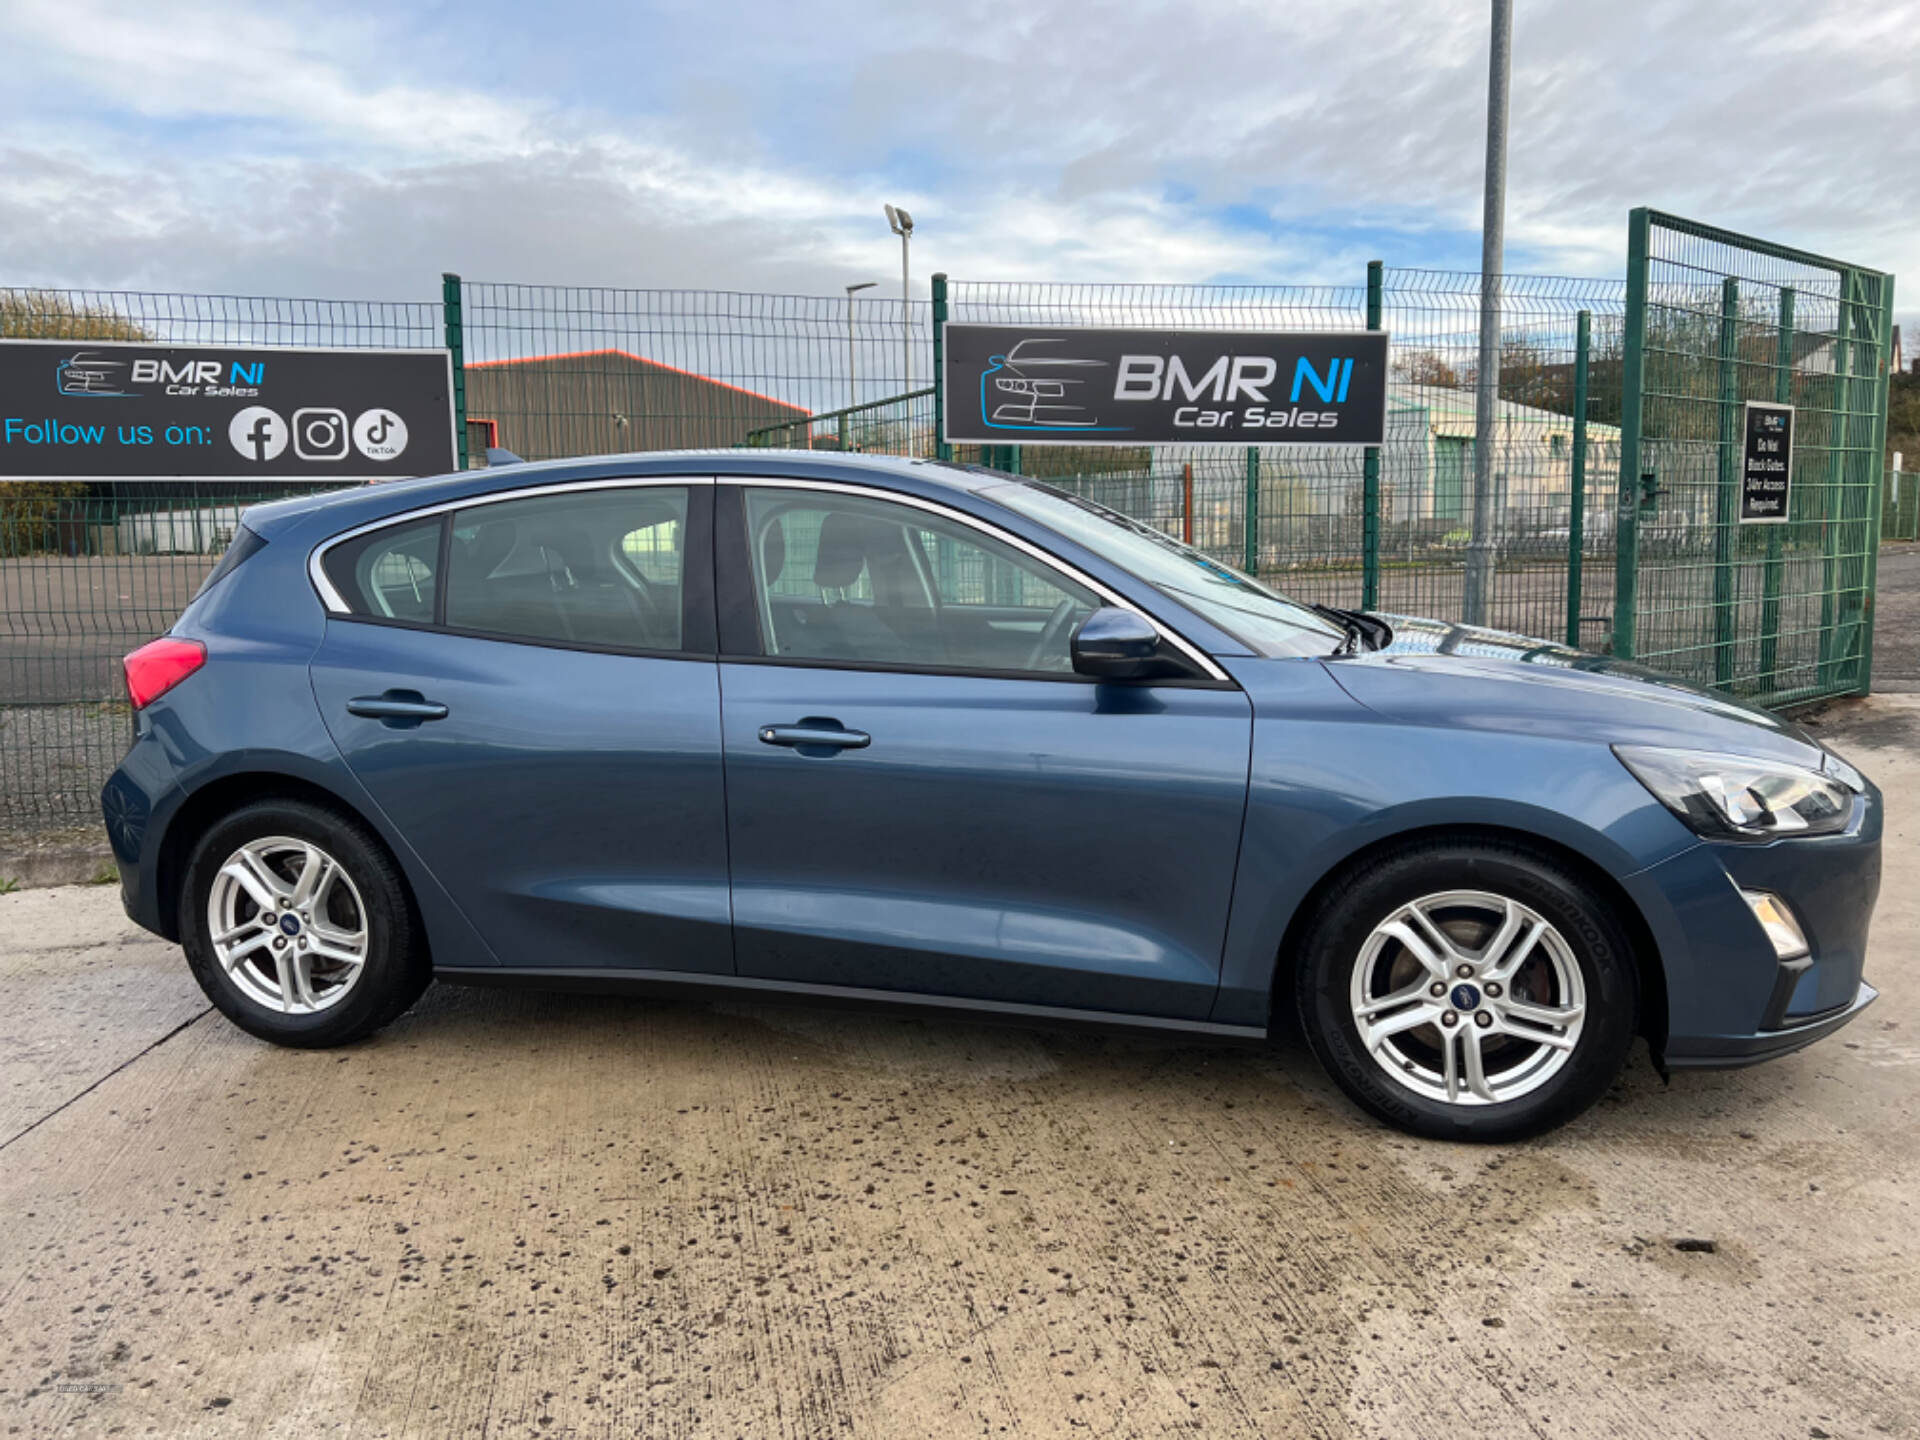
[(337, 604), (1045, 557)]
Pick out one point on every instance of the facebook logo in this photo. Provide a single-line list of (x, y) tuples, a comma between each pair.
[(257, 433)]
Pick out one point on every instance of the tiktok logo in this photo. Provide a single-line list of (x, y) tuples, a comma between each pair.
[(380, 435)]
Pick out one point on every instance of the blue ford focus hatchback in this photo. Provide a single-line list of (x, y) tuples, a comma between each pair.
[(889, 729)]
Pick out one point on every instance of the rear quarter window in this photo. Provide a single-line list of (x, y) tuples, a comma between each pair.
[(391, 574), (245, 544)]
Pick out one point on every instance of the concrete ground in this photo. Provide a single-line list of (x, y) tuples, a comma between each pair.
[(533, 1215), (1896, 631)]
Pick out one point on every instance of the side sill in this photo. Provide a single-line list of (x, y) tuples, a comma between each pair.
[(640, 982)]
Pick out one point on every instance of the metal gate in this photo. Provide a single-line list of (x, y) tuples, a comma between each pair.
[(1781, 613)]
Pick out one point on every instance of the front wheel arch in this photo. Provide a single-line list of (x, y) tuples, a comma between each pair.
[(1646, 951)]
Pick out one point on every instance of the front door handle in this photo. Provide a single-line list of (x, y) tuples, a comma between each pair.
[(824, 733), (397, 708)]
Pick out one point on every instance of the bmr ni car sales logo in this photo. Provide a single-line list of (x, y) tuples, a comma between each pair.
[(91, 374), (1132, 387)]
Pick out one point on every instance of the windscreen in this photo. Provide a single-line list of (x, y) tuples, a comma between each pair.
[(1261, 618)]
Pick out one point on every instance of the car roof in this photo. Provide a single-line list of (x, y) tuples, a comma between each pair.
[(357, 505)]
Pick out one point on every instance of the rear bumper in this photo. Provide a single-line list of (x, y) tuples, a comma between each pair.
[(1724, 1052)]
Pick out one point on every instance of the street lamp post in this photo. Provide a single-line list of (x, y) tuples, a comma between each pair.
[(902, 224), (852, 397), (1481, 545)]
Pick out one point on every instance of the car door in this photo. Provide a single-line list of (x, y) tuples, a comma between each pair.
[(527, 687), (921, 794)]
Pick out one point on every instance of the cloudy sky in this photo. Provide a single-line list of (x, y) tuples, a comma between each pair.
[(355, 149)]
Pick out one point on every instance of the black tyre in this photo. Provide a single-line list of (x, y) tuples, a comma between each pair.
[(298, 925), (1473, 991)]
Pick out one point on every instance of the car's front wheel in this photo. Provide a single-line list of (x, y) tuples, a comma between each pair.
[(1468, 991), (297, 925)]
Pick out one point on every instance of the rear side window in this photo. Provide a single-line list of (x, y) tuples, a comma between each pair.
[(599, 568), (391, 574), (245, 544)]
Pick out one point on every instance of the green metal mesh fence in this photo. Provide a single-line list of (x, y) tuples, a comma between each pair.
[(559, 370), (1900, 506), (1778, 612), (88, 572), (1297, 515), (91, 571)]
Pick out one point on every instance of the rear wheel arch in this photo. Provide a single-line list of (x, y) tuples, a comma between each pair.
[(1646, 950), (217, 799)]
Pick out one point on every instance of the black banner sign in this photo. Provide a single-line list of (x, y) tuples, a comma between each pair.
[(1021, 385), (109, 410), (1766, 463)]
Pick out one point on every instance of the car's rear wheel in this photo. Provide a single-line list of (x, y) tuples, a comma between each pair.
[(1468, 991), (297, 924)]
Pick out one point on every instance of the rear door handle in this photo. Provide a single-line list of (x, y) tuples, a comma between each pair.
[(397, 707), (814, 732)]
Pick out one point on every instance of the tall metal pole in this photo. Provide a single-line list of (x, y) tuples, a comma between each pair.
[(1486, 401), (906, 316), (853, 399), (1577, 511)]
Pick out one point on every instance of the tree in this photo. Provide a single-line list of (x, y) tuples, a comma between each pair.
[(30, 509), (54, 315), (1424, 367), (1903, 419)]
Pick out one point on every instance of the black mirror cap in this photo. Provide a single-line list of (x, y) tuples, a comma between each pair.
[(1117, 644)]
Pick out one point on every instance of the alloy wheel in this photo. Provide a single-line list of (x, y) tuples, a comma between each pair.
[(1468, 997), (287, 925)]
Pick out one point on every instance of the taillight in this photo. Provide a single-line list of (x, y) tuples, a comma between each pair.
[(156, 668)]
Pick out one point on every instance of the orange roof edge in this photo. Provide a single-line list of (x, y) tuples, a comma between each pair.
[(640, 360)]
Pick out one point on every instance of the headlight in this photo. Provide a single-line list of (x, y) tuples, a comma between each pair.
[(1736, 796)]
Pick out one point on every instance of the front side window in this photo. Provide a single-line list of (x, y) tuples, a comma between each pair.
[(391, 574), (840, 577), (1267, 621), (588, 567)]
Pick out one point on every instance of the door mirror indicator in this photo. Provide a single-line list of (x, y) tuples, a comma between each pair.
[(1117, 644)]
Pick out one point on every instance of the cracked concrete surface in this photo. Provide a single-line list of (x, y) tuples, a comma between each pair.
[(560, 1216)]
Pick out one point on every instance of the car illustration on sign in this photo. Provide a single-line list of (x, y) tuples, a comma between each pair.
[(91, 376), (1034, 387), (861, 728)]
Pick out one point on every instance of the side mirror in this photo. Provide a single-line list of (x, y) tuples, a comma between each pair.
[(1116, 644)]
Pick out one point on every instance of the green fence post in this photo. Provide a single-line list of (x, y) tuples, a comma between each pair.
[(1770, 589), (1726, 518), (1876, 460), (1370, 473), (1577, 515), (941, 449), (1840, 417), (1626, 558), (1251, 545), (457, 346)]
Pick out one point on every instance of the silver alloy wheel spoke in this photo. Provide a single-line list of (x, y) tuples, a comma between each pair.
[(240, 869), (1476, 1063), (1377, 1034), (1510, 1007), (288, 925), (1558, 1016)]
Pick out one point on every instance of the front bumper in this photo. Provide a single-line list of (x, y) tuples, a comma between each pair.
[(1730, 1000), (1726, 1052)]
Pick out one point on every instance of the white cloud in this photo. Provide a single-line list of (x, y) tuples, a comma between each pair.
[(219, 146)]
